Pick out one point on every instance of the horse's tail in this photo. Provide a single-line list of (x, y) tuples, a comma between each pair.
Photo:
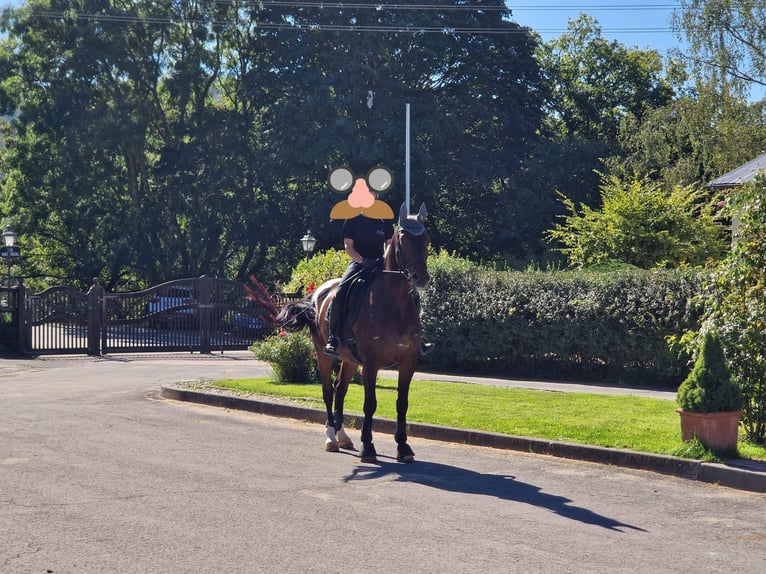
[(295, 316)]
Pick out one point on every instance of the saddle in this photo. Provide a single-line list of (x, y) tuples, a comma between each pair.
[(357, 290), (355, 296)]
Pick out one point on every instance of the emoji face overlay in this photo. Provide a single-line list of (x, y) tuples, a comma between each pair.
[(363, 199)]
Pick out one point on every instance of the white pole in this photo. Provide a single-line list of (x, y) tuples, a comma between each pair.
[(407, 161)]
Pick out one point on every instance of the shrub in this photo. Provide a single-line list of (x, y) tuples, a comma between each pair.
[(573, 325), (291, 356), (709, 387), (643, 224), (736, 307), (318, 269)]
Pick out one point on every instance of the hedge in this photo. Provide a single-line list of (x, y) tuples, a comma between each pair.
[(574, 325)]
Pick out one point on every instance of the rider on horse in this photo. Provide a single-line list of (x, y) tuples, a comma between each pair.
[(365, 240)]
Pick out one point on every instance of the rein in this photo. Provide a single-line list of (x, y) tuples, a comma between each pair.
[(401, 262)]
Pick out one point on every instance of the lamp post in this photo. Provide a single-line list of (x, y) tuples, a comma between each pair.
[(309, 243), (10, 250)]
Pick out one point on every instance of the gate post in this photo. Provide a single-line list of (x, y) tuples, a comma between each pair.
[(204, 308), (95, 297), (21, 320)]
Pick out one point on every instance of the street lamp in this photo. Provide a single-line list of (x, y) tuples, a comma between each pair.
[(10, 250), (309, 243)]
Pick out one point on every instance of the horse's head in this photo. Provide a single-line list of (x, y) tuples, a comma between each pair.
[(409, 248)]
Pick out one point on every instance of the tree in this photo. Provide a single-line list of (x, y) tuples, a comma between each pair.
[(725, 39), (162, 139), (597, 82), (640, 224), (735, 306), (475, 106), (596, 86), (700, 135), (132, 158)]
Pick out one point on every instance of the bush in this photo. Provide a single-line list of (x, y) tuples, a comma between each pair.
[(736, 307), (318, 269), (643, 224), (569, 325), (291, 356)]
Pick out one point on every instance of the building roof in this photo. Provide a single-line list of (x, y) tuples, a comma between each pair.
[(740, 175)]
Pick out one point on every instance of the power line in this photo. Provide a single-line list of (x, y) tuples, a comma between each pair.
[(353, 27), (597, 7)]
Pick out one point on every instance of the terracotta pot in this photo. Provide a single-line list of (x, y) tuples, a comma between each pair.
[(717, 431)]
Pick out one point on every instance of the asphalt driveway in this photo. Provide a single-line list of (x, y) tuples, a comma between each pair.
[(98, 473)]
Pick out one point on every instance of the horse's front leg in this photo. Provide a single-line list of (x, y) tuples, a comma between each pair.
[(324, 365), (403, 451), (370, 376)]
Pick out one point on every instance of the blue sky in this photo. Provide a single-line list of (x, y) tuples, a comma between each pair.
[(636, 23)]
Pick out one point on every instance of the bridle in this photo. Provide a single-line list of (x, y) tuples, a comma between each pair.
[(401, 260)]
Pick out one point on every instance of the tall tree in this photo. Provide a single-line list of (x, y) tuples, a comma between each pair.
[(596, 86), (596, 82), (697, 137), (162, 139), (726, 39)]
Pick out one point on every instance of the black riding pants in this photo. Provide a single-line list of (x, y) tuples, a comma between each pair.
[(339, 303)]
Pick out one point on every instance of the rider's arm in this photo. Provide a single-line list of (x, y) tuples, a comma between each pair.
[(348, 244)]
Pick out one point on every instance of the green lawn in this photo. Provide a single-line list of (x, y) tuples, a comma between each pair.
[(615, 421)]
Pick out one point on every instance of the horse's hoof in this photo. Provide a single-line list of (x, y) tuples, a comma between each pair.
[(405, 454), (368, 454), (346, 444), (331, 446), (344, 441)]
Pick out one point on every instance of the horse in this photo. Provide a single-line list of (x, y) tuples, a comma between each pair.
[(386, 331)]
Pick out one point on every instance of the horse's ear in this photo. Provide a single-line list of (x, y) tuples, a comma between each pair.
[(422, 213)]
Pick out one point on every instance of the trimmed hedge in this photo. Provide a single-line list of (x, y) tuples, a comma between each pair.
[(613, 325)]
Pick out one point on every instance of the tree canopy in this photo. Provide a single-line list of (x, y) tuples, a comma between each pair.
[(145, 141), (152, 140)]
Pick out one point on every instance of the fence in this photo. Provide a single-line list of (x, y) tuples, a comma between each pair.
[(197, 315)]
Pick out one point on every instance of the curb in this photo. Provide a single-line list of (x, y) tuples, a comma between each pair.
[(714, 473)]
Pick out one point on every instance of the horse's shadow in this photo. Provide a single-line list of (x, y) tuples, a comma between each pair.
[(462, 480)]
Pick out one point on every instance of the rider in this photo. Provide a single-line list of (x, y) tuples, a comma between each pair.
[(365, 240)]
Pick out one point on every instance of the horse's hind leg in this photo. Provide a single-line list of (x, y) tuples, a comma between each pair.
[(370, 406), (345, 374)]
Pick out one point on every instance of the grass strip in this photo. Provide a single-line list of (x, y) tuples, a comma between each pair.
[(613, 421)]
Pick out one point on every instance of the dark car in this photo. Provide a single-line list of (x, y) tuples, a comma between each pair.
[(173, 307)]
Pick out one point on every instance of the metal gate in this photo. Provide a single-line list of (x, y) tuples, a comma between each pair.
[(197, 315), (56, 321), (202, 315)]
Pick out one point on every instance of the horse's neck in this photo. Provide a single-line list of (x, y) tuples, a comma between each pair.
[(393, 284), (389, 262)]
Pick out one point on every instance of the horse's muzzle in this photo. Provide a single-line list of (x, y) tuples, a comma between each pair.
[(420, 279)]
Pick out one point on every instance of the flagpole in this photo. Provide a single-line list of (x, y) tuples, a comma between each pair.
[(407, 160)]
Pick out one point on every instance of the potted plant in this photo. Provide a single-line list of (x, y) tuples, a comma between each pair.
[(710, 401)]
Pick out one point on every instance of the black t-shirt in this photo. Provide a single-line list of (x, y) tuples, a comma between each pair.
[(369, 235)]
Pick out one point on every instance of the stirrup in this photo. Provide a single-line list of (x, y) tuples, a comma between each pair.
[(332, 347)]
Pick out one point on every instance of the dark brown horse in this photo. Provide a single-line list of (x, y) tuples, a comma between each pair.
[(386, 332)]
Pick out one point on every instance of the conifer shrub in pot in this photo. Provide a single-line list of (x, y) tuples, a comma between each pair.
[(710, 402)]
